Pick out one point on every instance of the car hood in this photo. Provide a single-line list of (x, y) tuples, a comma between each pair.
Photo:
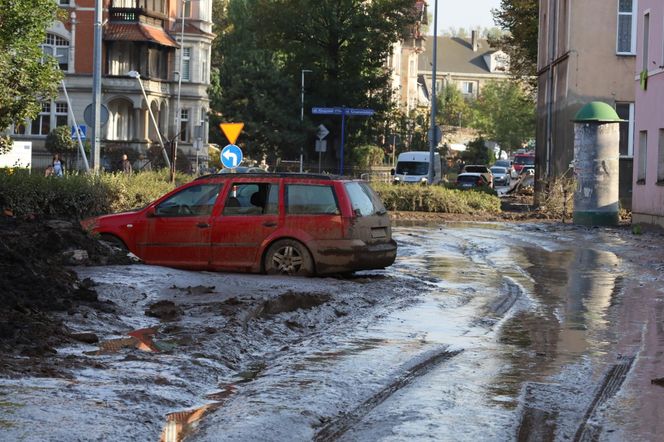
[(92, 223)]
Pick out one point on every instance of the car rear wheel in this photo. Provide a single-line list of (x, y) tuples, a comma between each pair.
[(288, 257)]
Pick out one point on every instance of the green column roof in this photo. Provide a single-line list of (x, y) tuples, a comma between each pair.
[(597, 111)]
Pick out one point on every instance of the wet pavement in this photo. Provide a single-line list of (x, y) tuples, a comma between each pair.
[(479, 331)]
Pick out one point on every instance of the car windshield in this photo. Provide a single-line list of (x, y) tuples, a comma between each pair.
[(498, 170), (502, 163), (525, 159), (412, 168)]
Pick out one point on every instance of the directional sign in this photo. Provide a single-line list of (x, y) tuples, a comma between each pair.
[(322, 132), (231, 156), (231, 130), (82, 130), (361, 112)]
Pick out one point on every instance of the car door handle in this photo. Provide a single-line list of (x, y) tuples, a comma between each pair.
[(203, 225), (270, 224)]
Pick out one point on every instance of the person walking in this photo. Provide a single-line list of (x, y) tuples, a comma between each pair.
[(58, 168), (126, 164)]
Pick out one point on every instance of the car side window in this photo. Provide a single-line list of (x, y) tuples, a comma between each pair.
[(252, 199), (195, 200), (309, 199)]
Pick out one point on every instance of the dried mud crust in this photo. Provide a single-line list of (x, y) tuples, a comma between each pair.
[(36, 283)]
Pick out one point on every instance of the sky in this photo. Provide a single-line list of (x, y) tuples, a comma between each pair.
[(463, 14)]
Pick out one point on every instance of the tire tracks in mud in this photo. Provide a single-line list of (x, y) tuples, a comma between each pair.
[(336, 428)]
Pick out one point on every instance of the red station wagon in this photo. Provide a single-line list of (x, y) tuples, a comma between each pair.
[(296, 224)]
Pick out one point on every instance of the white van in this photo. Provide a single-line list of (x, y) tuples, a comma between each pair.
[(413, 167)]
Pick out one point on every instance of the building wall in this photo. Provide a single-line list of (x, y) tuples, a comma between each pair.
[(648, 196), (577, 64)]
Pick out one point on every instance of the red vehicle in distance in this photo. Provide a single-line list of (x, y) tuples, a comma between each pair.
[(523, 159)]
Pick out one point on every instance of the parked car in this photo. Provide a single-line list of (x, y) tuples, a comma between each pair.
[(507, 164), (296, 224), (471, 180), (501, 176), (484, 170), (523, 159)]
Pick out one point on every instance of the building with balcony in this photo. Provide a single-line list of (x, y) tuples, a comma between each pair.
[(146, 36)]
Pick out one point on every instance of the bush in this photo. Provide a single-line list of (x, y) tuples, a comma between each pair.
[(79, 196), (437, 199)]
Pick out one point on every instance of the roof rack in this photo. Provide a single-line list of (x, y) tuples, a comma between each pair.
[(318, 176)]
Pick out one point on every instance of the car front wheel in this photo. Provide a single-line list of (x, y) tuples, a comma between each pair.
[(288, 257)]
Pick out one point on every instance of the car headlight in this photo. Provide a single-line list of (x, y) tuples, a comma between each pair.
[(424, 180)]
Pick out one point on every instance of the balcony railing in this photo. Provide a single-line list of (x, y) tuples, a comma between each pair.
[(125, 14)]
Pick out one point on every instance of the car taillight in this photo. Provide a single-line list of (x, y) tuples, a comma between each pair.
[(479, 181)]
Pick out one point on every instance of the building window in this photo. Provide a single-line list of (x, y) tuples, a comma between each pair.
[(184, 124), (626, 112), (186, 5), (660, 157), (467, 87), (186, 64), (204, 66), (61, 117), (63, 2), (643, 157), (42, 124), (57, 47), (646, 41), (626, 38)]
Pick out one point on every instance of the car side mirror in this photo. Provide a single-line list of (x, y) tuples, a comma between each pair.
[(392, 171), (150, 213)]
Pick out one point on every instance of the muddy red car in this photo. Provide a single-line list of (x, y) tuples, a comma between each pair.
[(294, 224)]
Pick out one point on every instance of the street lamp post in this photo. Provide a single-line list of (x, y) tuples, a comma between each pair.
[(304, 71), (178, 107), (137, 76)]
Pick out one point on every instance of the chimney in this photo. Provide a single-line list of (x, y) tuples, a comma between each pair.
[(474, 41)]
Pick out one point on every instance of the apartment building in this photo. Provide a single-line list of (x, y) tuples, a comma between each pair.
[(465, 63), (648, 194), (587, 51), (146, 36)]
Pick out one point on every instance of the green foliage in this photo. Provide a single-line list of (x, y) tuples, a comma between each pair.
[(79, 196), (5, 144), (521, 19), (436, 199), (26, 75), (265, 44), (504, 113), (477, 153), (453, 109), (366, 156), (59, 141)]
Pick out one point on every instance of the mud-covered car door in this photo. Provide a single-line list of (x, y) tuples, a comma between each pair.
[(178, 229)]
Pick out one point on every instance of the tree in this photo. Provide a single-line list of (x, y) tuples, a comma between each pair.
[(260, 53), (505, 113), (521, 19), (453, 109), (59, 141), (27, 76), (477, 153)]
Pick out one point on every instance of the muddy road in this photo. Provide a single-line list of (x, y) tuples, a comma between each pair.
[(481, 331)]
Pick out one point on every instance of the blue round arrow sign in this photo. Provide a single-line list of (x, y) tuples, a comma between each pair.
[(231, 156)]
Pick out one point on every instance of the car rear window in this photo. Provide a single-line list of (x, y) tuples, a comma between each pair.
[(524, 159), (310, 199), (252, 199), (476, 169), (363, 199), (468, 178)]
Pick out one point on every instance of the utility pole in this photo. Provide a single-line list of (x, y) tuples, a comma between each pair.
[(178, 107), (433, 133), (304, 71), (96, 87)]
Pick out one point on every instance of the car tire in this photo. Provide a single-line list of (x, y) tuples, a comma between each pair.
[(288, 257), (114, 241)]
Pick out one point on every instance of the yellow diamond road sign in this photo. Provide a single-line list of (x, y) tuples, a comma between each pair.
[(231, 130)]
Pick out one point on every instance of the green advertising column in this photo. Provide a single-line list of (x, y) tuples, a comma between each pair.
[(596, 156)]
